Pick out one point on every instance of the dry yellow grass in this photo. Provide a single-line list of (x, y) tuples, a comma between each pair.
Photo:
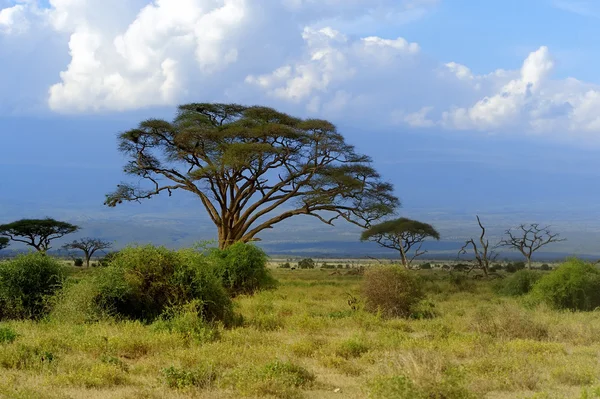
[(303, 340)]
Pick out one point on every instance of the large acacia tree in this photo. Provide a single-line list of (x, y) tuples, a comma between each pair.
[(37, 233), (404, 235), (253, 167)]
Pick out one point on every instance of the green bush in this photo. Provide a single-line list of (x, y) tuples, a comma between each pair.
[(106, 259), (26, 285), (242, 268), (78, 262), (425, 266), (545, 267), (286, 265), (141, 283), (575, 285), (7, 335), (391, 291), (515, 267), (519, 283)]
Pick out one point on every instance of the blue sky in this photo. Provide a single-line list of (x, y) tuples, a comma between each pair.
[(488, 107)]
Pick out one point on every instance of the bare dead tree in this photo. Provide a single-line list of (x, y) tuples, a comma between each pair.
[(483, 253), (529, 238)]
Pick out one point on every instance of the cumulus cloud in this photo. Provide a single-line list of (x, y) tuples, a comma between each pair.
[(323, 58)]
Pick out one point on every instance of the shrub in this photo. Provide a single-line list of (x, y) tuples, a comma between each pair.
[(78, 262), (520, 283), (515, 267), (242, 268), (286, 265), (26, 285), (141, 283), (327, 266), (391, 291), (7, 335), (200, 377), (106, 259), (425, 266), (575, 285), (306, 263), (545, 267)]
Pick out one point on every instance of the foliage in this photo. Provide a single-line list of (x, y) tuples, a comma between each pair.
[(242, 268), (575, 285), (78, 262), (545, 267), (4, 243), (285, 265), (106, 259), (514, 267), (199, 377), (26, 284), (253, 167), (37, 233), (143, 282), (425, 266), (7, 335), (290, 373), (402, 235), (306, 263), (391, 291), (519, 283)]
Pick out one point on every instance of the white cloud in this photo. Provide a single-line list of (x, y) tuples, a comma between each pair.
[(319, 57), (14, 20)]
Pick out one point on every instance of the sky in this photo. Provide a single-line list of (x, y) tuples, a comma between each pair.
[(467, 107)]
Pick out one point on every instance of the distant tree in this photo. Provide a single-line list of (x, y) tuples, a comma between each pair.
[(403, 235), (4, 242), (253, 167), (307, 263), (529, 238), (37, 233), (484, 255), (89, 246)]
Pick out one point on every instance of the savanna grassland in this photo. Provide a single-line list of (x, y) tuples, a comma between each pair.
[(310, 337)]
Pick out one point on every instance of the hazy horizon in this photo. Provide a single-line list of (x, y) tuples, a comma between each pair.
[(503, 124)]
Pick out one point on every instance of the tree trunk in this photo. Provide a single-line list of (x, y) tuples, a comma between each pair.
[(403, 258), (529, 262)]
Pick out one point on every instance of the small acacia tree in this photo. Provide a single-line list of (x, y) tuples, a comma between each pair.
[(37, 233), (483, 253), (529, 238), (402, 235), (253, 167), (89, 246), (4, 242)]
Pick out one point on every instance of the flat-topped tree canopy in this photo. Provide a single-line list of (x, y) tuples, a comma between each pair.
[(37, 233), (253, 167), (402, 235)]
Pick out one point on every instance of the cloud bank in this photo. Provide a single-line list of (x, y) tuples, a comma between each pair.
[(320, 58)]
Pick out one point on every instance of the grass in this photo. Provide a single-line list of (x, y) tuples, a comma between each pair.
[(304, 340)]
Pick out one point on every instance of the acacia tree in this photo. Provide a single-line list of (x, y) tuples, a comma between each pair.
[(483, 253), (253, 167), (37, 233), (4, 242), (402, 235), (89, 246), (529, 238)]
